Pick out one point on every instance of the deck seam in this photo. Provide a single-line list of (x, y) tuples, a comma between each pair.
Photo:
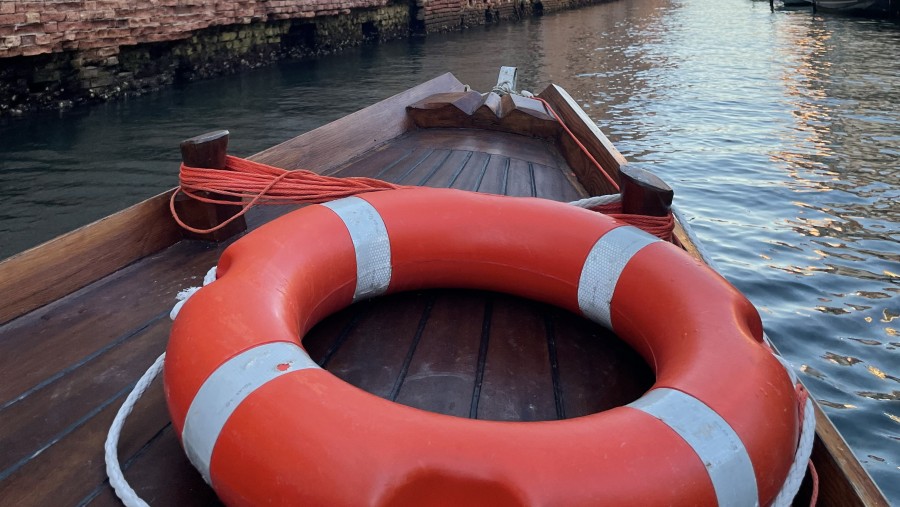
[(483, 171), (12, 469), (482, 357), (387, 167), (435, 169), (504, 184), (550, 328), (420, 329), (83, 361), (413, 168), (532, 180), (125, 466), (343, 335), (459, 170)]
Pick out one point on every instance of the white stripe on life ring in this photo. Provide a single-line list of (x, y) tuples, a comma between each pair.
[(371, 242), (603, 267), (227, 387), (711, 437)]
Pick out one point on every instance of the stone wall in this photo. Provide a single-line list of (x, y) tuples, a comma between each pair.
[(56, 53), (31, 28), (443, 15), (55, 64)]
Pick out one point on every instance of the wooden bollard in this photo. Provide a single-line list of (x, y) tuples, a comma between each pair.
[(208, 151), (644, 193)]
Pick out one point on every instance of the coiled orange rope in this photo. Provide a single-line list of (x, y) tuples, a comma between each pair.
[(254, 183), (661, 227), (258, 183)]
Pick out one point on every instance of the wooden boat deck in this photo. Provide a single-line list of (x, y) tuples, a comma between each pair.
[(70, 364), (84, 315)]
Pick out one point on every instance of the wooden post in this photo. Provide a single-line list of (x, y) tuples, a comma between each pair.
[(644, 193), (208, 151)]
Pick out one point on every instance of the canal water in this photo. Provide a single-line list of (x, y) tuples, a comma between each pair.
[(780, 132)]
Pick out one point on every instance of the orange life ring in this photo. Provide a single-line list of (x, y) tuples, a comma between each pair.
[(265, 425)]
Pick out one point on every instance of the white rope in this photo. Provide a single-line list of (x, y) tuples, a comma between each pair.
[(801, 458), (111, 455), (186, 294), (505, 89), (599, 200)]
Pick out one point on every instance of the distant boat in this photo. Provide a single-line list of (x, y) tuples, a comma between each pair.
[(876, 8), (797, 3)]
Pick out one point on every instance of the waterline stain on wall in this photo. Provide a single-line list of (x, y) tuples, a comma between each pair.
[(56, 54)]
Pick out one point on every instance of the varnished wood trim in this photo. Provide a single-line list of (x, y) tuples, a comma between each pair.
[(333, 144), (589, 134), (63, 265), (514, 114)]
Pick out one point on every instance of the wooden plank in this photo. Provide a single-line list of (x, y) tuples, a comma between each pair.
[(67, 472), (445, 110), (552, 183), (494, 179), (371, 358), (64, 335), (520, 179), (510, 113), (331, 145), (588, 173), (63, 265), (589, 134), (517, 382), (441, 375), (485, 141), (176, 483), (373, 162), (472, 172), (466, 102), (449, 170), (597, 371), (528, 116), (422, 172), (40, 418)]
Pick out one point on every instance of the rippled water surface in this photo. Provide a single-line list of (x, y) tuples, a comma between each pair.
[(780, 132)]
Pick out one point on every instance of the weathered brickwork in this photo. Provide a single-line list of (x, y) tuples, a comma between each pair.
[(31, 28), (63, 68), (444, 15), (56, 53)]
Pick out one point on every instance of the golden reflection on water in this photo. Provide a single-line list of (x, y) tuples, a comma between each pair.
[(839, 406), (841, 360)]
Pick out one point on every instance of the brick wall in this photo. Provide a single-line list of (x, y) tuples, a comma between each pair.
[(29, 28), (444, 15), (58, 53)]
